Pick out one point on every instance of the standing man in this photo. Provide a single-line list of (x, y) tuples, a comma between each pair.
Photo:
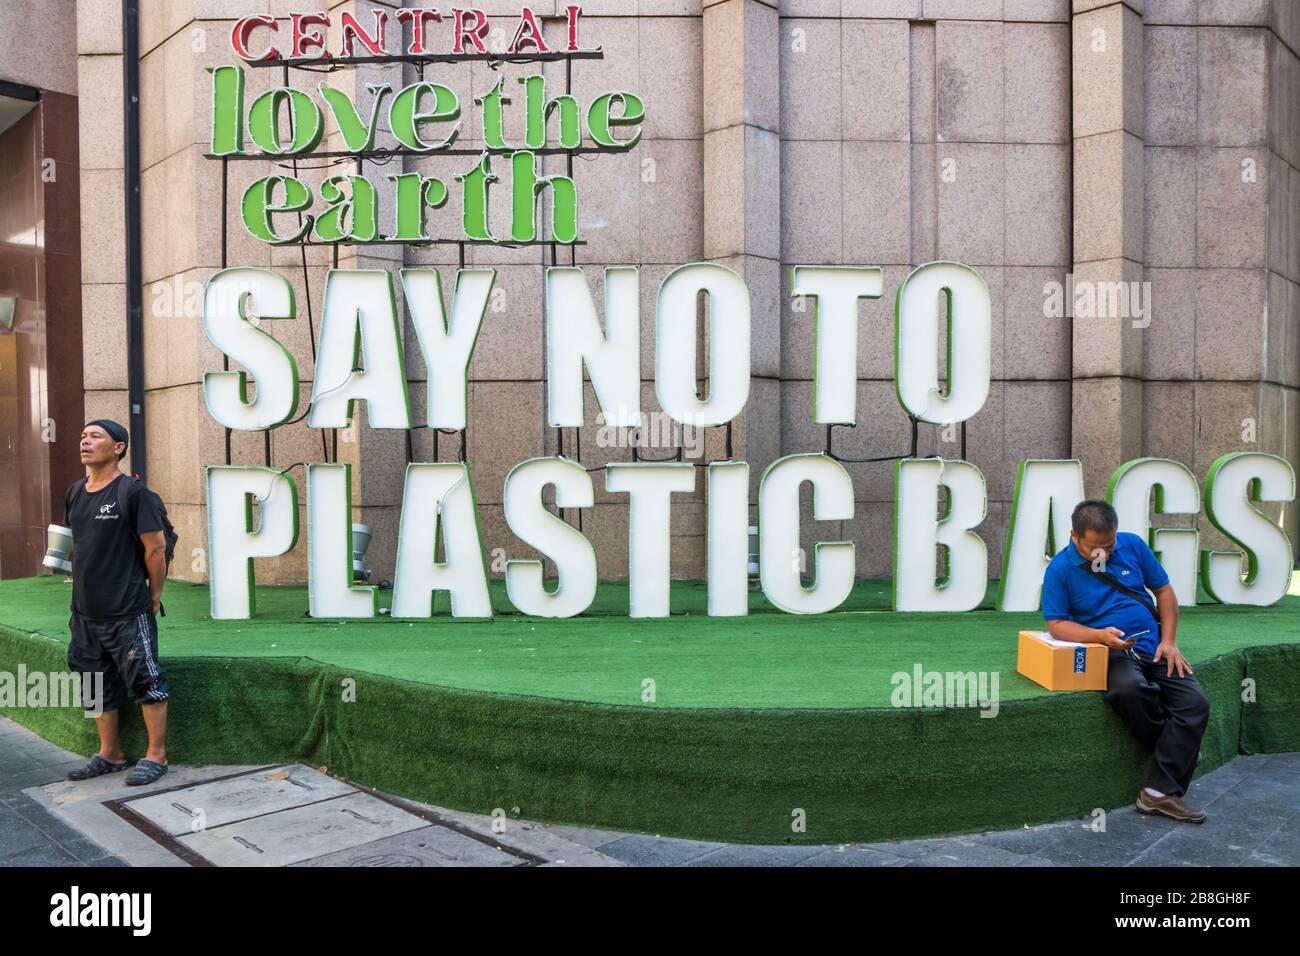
[(1095, 592), (118, 569)]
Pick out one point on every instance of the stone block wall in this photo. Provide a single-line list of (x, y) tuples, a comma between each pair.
[(1133, 141)]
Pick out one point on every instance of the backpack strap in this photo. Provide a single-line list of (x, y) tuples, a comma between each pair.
[(1140, 596), (74, 492), (124, 503), (124, 495)]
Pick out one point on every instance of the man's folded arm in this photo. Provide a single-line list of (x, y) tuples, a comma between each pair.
[(1064, 629)]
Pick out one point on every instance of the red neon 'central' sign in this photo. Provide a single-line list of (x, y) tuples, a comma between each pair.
[(466, 28)]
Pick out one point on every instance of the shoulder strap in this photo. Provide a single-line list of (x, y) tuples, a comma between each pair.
[(1139, 596), (124, 495), (74, 492)]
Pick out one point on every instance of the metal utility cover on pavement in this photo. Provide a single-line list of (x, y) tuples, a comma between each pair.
[(289, 836), (215, 804), (273, 816), (431, 846)]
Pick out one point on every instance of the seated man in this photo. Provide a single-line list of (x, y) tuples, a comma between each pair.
[(1094, 592)]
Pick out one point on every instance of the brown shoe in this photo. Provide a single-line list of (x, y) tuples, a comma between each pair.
[(1169, 806)]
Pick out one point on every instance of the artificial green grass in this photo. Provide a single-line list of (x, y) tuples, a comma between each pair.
[(768, 659), (752, 720)]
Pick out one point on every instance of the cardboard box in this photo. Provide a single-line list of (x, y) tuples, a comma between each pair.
[(1062, 665)]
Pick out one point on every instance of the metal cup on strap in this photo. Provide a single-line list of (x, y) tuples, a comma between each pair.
[(360, 541), (58, 548)]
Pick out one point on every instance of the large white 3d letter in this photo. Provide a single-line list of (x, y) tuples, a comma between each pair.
[(232, 301), (232, 541), (1045, 496), (574, 337), (781, 559), (1234, 484), (329, 546), (835, 291), (447, 346), (439, 500), (916, 342), (1176, 492), (918, 530), (359, 324), (650, 488), (537, 527), (728, 538), (675, 331)]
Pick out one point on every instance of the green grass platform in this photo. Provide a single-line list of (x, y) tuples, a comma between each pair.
[(751, 721)]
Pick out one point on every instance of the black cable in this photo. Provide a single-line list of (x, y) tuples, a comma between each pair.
[(585, 153), (225, 213), (867, 461), (266, 435), (330, 64), (334, 432), (311, 326)]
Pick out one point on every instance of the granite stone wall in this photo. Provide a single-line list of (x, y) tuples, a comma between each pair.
[(1147, 141)]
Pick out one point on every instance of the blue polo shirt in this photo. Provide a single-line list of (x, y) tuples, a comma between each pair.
[(1071, 592)]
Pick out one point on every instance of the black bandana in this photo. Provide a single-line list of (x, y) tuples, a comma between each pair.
[(115, 431)]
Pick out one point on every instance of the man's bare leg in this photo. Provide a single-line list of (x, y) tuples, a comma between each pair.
[(110, 747), (155, 722)]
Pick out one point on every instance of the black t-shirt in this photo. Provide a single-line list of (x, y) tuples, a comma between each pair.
[(109, 578)]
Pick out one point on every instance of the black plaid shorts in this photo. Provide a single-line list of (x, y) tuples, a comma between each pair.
[(125, 651)]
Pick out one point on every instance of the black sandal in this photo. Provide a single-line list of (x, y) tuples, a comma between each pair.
[(146, 771), (97, 767)]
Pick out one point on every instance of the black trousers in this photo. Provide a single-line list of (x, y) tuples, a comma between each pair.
[(1167, 714)]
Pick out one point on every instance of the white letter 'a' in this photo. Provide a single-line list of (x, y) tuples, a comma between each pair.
[(1045, 496), (439, 500), (359, 309)]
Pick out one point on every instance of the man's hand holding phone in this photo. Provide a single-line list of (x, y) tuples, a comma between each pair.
[(1113, 638)]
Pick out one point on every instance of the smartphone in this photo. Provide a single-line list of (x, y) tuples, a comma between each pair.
[(1133, 637)]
